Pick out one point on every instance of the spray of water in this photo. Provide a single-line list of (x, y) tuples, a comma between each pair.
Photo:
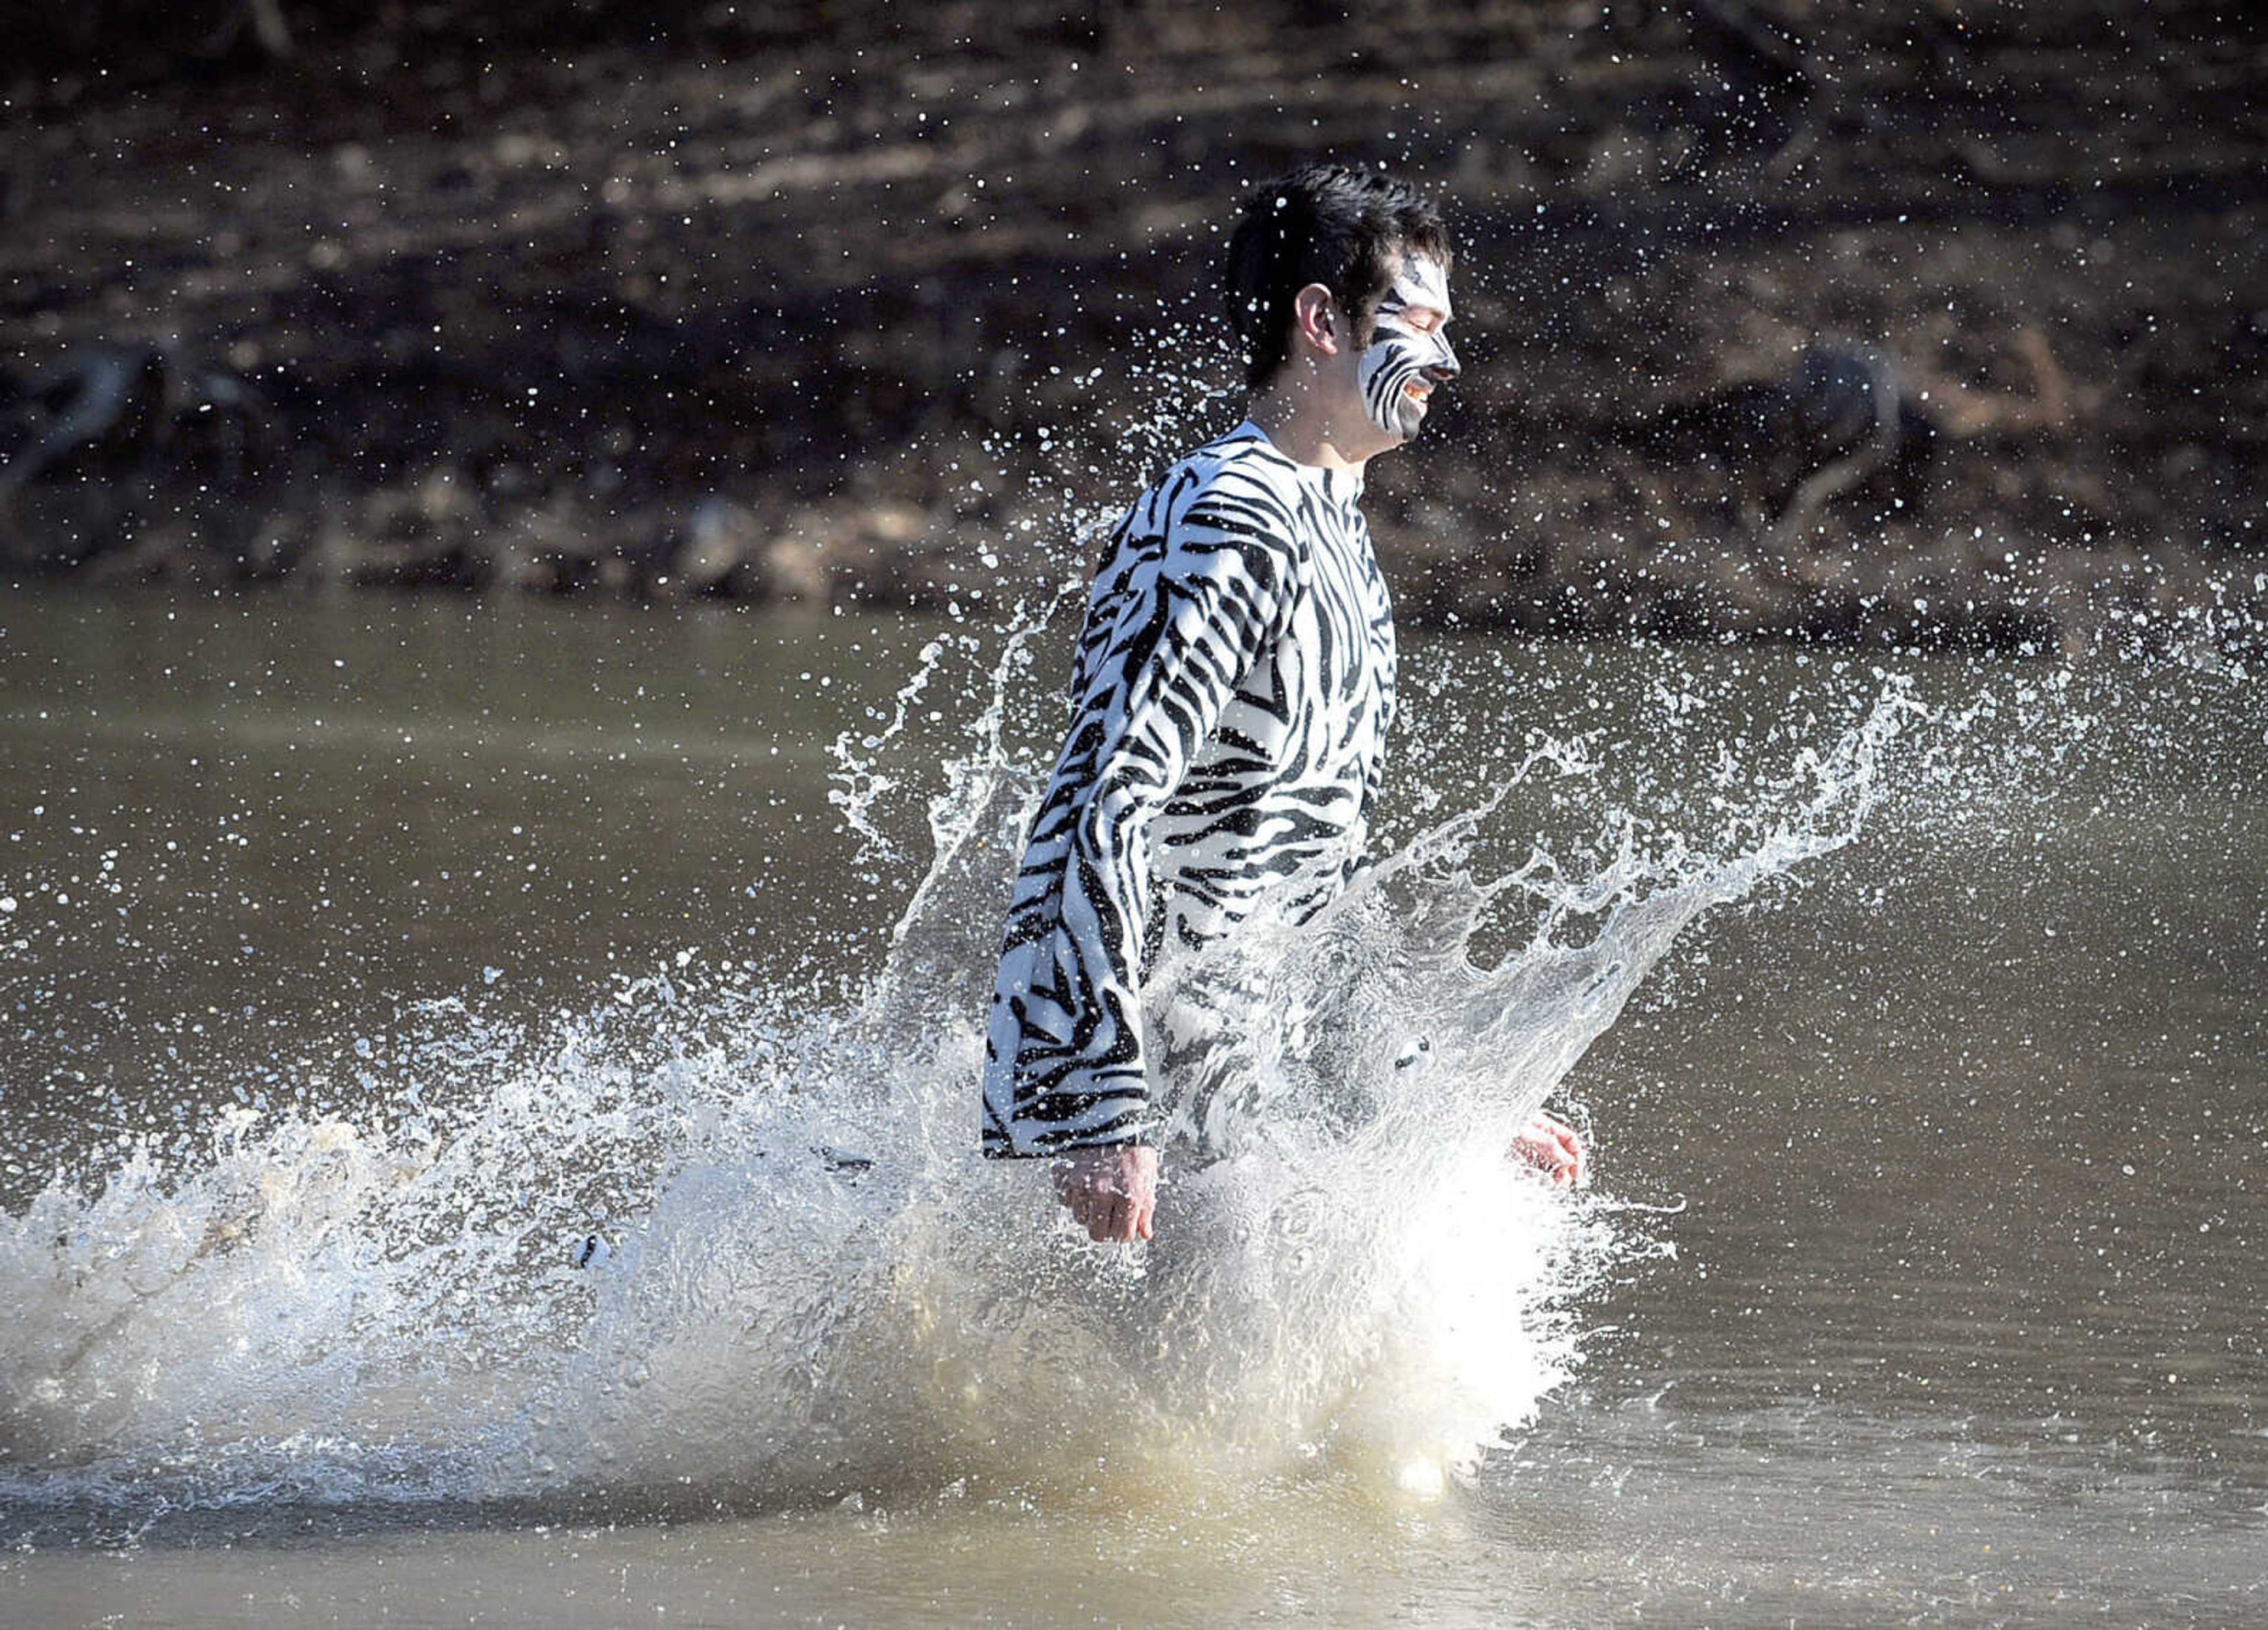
[(717, 1240)]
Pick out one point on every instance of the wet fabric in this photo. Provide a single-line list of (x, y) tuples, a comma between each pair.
[(1233, 686)]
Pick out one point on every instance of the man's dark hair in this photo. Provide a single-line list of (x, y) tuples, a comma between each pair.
[(1324, 223)]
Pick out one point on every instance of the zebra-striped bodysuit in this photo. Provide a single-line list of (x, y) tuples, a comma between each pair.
[(1234, 682)]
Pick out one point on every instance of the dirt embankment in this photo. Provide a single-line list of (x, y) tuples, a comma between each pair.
[(1938, 323)]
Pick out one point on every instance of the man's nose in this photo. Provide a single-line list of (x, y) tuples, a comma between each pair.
[(1444, 368)]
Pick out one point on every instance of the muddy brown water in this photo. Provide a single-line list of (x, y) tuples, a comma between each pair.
[(1952, 1314)]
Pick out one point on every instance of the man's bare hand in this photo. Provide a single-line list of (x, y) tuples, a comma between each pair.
[(1551, 1146), (1112, 1192)]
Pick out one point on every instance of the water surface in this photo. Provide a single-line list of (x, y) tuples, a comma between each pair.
[(1920, 1280)]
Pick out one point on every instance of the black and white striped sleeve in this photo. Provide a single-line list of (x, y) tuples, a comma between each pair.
[(1197, 586)]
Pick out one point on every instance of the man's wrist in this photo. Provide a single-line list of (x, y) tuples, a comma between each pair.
[(1115, 1145)]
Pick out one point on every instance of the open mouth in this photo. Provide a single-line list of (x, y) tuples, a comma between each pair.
[(1418, 389)]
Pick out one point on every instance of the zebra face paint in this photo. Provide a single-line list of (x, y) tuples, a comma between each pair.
[(1411, 353)]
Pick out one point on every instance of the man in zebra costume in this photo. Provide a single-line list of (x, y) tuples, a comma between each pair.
[(1234, 682)]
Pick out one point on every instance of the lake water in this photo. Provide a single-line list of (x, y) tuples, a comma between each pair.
[(360, 958)]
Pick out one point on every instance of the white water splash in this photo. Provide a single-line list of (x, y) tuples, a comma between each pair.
[(812, 1284)]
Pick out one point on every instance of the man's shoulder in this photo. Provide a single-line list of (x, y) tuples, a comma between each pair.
[(1244, 456), (1236, 497), (1241, 467)]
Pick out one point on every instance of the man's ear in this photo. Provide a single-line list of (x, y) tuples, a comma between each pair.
[(1318, 321)]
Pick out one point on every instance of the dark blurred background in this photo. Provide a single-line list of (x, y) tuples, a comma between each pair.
[(1935, 323)]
